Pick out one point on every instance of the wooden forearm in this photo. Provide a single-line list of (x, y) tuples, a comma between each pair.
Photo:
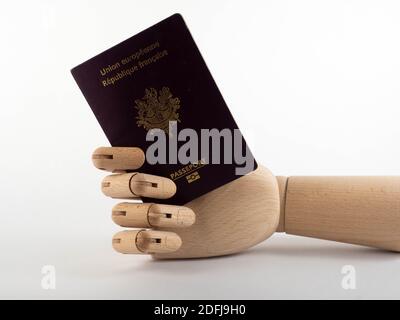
[(357, 210)]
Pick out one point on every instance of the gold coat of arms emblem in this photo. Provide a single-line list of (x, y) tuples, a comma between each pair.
[(156, 109)]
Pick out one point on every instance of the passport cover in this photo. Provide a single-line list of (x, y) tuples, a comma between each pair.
[(149, 79)]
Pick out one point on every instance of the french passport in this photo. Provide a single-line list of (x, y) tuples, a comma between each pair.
[(156, 83)]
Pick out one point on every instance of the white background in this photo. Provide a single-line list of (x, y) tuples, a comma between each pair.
[(314, 85)]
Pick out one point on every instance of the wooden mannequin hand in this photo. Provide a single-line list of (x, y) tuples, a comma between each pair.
[(226, 220)]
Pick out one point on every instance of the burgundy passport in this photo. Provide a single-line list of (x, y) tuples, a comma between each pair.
[(158, 78)]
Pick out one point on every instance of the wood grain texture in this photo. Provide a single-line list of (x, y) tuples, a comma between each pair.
[(357, 210), (231, 218), (145, 241), (118, 159), (135, 185), (128, 214)]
